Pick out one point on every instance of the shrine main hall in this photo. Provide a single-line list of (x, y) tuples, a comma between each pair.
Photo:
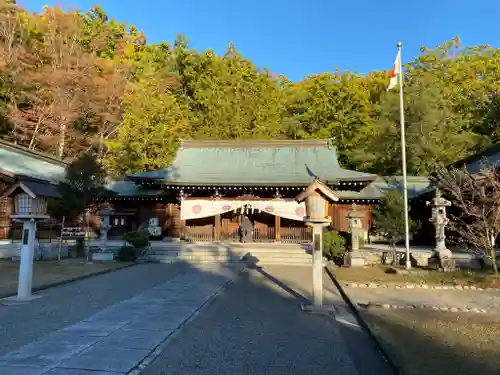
[(210, 185)]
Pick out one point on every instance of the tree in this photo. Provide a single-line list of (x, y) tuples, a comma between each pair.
[(56, 81), (83, 184), (148, 137), (389, 219), (476, 197), (227, 96)]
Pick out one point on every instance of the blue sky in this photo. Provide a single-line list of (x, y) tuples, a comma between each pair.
[(301, 37)]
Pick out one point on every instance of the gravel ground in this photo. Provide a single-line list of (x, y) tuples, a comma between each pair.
[(255, 327), (489, 300), (68, 304)]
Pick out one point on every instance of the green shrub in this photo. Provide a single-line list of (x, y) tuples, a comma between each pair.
[(334, 245), (80, 248), (138, 239), (127, 254)]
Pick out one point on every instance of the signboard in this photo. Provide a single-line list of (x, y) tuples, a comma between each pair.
[(73, 232)]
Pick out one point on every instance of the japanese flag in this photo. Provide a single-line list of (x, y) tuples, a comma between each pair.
[(396, 71)]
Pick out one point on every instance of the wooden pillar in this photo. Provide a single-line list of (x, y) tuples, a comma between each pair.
[(217, 227), (176, 224), (277, 228)]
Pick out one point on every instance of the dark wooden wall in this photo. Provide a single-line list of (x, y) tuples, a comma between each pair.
[(339, 211)]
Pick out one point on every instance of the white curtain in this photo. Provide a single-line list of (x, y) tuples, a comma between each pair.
[(199, 208)]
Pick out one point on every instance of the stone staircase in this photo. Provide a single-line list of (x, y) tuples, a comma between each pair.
[(265, 253)]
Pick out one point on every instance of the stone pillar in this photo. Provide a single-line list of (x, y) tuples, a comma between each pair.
[(317, 253), (26, 266), (442, 257), (354, 258)]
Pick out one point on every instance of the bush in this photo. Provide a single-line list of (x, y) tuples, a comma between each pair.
[(80, 248), (334, 245), (138, 239), (127, 254)]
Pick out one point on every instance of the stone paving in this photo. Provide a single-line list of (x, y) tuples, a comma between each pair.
[(256, 327), (116, 339), (468, 300), (68, 304)]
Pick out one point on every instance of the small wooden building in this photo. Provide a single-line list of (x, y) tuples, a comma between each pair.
[(210, 185), (37, 171)]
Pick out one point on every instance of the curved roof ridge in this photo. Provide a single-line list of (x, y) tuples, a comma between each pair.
[(35, 154), (263, 143)]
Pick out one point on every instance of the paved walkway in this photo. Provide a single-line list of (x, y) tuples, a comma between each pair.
[(108, 325), (116, 339), (256, 327), (487, 300)]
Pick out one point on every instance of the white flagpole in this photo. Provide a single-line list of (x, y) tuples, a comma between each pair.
[(403, 156)]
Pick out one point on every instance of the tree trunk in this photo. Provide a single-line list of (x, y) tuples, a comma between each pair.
[(394, 253), (33, 137), (62, 140), (493, 253)]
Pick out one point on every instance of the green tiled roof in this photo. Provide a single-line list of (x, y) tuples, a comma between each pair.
[(130, 189), (18, 162), (378, 188), (253, 163)]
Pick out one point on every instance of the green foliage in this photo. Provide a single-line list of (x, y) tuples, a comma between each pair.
[(140, 99), (138, 239), (127, 254), (388, 217), (161, 120), (84, 182), (334, 245)]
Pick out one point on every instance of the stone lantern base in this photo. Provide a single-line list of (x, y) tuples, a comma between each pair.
[(442, 260), (354, 259)]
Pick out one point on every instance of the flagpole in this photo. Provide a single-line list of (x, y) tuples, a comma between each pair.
[(403, 156)]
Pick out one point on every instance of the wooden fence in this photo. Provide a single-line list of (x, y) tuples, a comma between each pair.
[(260, 235)]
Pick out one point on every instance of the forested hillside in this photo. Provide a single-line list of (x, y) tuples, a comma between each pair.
[(73, 82)]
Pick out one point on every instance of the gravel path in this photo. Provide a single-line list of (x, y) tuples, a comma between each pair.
[(255, 327), (488, 300), (68, 304)]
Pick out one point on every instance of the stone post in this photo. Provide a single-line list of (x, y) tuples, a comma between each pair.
[(354, 258), (105, 224), (26, 266), (441, 256)]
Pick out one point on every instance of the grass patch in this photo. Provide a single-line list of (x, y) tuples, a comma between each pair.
[(434, 343), (48, 272), (383, 274)]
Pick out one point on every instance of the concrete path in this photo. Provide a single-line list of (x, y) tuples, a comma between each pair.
[(487, 300), (256, 327), (116, 339), (68, 304)]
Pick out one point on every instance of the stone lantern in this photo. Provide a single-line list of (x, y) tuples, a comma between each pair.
[(354, 258), (317, 197), (105, 225), (30, 207), (441, 255)]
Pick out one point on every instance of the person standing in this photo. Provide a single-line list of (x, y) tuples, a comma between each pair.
[(246, 227)]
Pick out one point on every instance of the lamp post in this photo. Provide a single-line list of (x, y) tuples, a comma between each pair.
[(317, 196), (28, 209)]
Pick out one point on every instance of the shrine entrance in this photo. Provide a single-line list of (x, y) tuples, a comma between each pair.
[(269, 221)]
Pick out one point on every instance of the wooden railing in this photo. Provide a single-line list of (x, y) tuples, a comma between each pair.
[(296, 234), (262, 235), (198, 234)]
